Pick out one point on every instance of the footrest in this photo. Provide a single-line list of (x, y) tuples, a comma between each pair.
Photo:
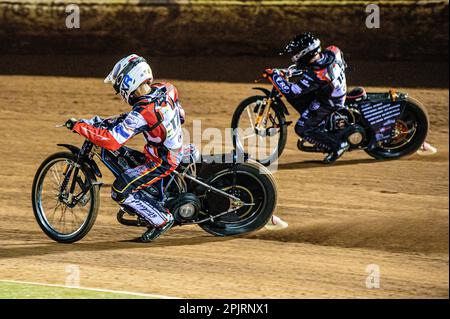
[(311, 149), (129, 222)]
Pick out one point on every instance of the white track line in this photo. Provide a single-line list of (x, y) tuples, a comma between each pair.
[(91, 289)]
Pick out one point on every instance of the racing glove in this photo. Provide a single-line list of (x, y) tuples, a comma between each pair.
[(272, 72), (70, 123)]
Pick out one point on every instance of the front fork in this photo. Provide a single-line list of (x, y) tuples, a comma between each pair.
[(263, 115), (70, 170), (71, 175)]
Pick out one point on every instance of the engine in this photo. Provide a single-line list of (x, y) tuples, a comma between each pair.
[(185, 208), (344, 121), (356, 135)]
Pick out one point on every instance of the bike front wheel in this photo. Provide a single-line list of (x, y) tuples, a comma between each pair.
[(259, 130), (65, 198)]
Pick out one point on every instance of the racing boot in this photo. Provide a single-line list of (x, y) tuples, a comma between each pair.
[(157, 218), (315, 147), (336, 154), (154, 232)]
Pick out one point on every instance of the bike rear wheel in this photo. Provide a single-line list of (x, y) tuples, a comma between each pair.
[(263, 138), (63, 217), (410, 132), (250, 182)]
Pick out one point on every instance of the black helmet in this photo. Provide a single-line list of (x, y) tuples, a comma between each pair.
[(303, 47)]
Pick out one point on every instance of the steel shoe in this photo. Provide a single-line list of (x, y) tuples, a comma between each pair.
[(154, 232)]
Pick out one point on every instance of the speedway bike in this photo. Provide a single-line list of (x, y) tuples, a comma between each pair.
[(224, 194), (386, 125)]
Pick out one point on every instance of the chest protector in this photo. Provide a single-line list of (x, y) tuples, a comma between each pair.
[(167, 110), (336, 73)]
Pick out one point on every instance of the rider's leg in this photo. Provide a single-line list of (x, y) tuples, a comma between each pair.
[(308, 124), (127, 191), (308, 127)]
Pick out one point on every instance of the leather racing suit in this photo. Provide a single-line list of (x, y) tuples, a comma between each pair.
[(158, 117), (325, 78)]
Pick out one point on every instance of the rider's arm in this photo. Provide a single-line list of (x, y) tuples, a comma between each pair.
[(305, 84), (114, 137), (181, 112), (173, 94)]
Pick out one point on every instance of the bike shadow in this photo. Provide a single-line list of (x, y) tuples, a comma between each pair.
[(318, 163), (54, 248), (178, 241)]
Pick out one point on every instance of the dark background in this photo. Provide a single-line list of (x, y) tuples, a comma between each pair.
[(225, 40)]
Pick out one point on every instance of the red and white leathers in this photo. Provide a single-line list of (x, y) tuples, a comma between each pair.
[(158, 116)]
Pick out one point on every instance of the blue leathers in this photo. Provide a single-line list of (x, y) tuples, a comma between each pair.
[(325, 79)]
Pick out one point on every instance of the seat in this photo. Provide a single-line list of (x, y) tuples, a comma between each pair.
[(357, 94)]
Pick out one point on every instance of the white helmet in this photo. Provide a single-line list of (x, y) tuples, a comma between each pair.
[(128, 74)]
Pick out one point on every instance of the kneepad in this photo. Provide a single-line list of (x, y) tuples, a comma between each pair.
[(118, 192), (300, 128)]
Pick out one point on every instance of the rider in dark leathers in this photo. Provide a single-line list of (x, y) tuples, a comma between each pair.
[(323, 74)]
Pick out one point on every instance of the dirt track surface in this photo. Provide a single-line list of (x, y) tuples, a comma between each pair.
[(341, 217)]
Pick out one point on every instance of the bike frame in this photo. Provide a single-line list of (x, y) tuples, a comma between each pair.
[(85, 156)]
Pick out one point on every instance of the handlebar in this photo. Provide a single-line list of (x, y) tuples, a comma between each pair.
[(291, 71), (98, 121)]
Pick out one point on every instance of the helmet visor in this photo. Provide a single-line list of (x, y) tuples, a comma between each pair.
[(112, 76), (307, 53), (296, 58)]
